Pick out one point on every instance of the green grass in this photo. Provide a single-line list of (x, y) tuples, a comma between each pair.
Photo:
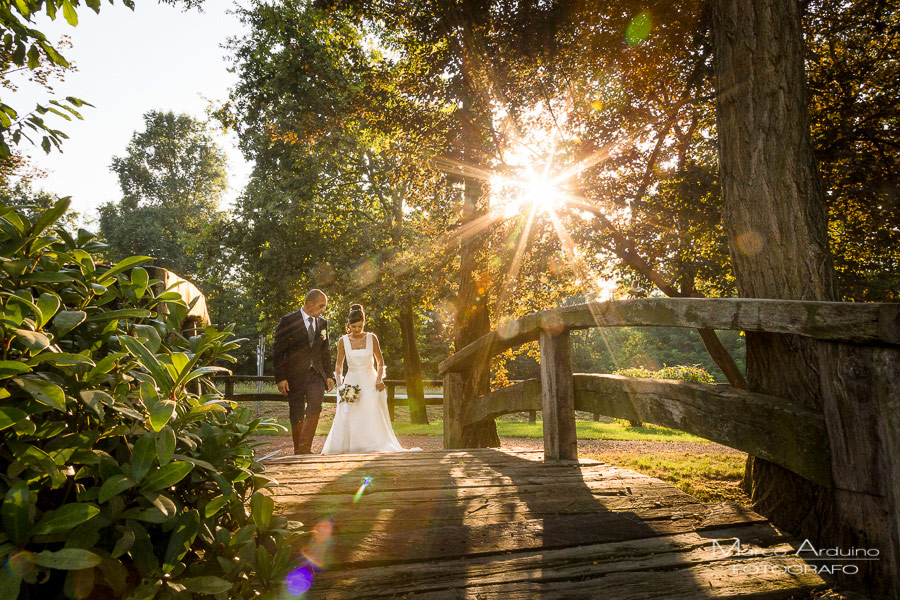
[(707, 477), (598, 430), (585, 430)]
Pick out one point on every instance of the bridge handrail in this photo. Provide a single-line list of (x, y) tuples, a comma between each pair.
[(873, 323)]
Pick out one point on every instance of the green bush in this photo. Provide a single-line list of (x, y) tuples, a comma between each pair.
[(694, 374), (123, 473)]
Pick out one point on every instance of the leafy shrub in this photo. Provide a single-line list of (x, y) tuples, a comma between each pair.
[(694, 374), (643, 373), (123, 473)]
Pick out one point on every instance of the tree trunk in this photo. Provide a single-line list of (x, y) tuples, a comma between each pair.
[(412, 367), (775, 219), (472, 317)]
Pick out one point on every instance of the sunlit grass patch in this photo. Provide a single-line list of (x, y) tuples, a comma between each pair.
[(598, 430), (707, 477)]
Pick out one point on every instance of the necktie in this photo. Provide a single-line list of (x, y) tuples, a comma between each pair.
[(311, 330)]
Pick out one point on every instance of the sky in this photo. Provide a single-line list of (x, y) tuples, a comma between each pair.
[(156, 57)]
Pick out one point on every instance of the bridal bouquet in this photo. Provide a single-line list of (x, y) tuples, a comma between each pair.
[(349, 393)]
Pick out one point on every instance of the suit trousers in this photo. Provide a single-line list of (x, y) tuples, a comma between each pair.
[(305, 397)]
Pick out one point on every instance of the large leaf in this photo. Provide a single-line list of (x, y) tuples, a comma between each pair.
[(149, 336), (205, 584), (124, 543), (162, 503), (43, 391), (165, 445), (114, 486), (214, 506), (67, 320), (181, 539), (9, 368), (261, 508), (149, 362), (50, 216), (124, 265), (161, 413), (24, 298), (9, 416), (15, 513), (33, 340), (124, 313), (166, 476), (48, 305), (69, 13), (139, 279), (105, 366), (46, 277), (68, 559), (142, 456), (92, 397), (60, 359), (65, 518)]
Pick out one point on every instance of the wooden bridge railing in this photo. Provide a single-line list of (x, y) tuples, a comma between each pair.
[(772, 428), (847, 440), (228, 381)]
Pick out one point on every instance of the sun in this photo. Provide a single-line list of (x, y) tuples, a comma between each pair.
[(531, 193), (541, 194)]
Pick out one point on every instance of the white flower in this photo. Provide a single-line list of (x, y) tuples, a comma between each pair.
[(349, 393)]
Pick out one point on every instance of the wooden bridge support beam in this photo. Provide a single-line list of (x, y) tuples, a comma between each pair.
[(558, 396), (454, 398)]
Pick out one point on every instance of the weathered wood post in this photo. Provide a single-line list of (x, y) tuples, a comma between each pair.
[(454, 397), (558, 396), (391, 391), (229, 388)]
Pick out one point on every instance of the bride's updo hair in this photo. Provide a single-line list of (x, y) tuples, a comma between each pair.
[(356, 315)]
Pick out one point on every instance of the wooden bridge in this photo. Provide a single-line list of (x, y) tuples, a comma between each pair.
[(494, 524), (486, 524)]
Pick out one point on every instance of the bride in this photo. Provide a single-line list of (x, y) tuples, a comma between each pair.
[(364, 425)]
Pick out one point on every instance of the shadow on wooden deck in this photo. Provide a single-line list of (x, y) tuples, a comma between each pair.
[(504, 524)]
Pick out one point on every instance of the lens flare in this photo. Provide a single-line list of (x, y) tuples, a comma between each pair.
[(639, 28), (362, 488), (299, 580)]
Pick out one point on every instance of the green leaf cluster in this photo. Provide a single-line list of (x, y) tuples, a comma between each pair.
[(123, 472), (693, 373)]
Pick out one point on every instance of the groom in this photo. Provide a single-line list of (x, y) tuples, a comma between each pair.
[(303, 366)]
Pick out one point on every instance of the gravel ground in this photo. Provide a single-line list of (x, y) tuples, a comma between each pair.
[(585, 447)]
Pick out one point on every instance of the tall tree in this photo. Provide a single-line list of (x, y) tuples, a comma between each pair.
[(775, 215), (173, 176), (334, 200)]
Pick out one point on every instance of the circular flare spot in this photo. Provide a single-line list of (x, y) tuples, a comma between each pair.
[(299, 580), (750, 243), (639, 28)]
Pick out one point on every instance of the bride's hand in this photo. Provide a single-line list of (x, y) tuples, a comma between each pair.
[(379, 385)]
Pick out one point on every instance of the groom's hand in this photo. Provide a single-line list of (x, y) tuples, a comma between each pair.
[(329, 383), (283, 387)]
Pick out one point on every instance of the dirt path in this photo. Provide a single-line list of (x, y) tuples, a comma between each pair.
[(585, 447)]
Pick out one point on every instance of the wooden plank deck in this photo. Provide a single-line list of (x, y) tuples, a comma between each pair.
[(492, 524)]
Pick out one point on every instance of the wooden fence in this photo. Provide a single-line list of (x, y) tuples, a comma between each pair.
[(393, 400)]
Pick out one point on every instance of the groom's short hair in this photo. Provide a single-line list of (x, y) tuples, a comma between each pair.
[(313, 295)]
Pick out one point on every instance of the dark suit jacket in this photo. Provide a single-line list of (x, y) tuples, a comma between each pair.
[(294, 354)]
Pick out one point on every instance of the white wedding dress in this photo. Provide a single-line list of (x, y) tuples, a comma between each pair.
[(364, 425)]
